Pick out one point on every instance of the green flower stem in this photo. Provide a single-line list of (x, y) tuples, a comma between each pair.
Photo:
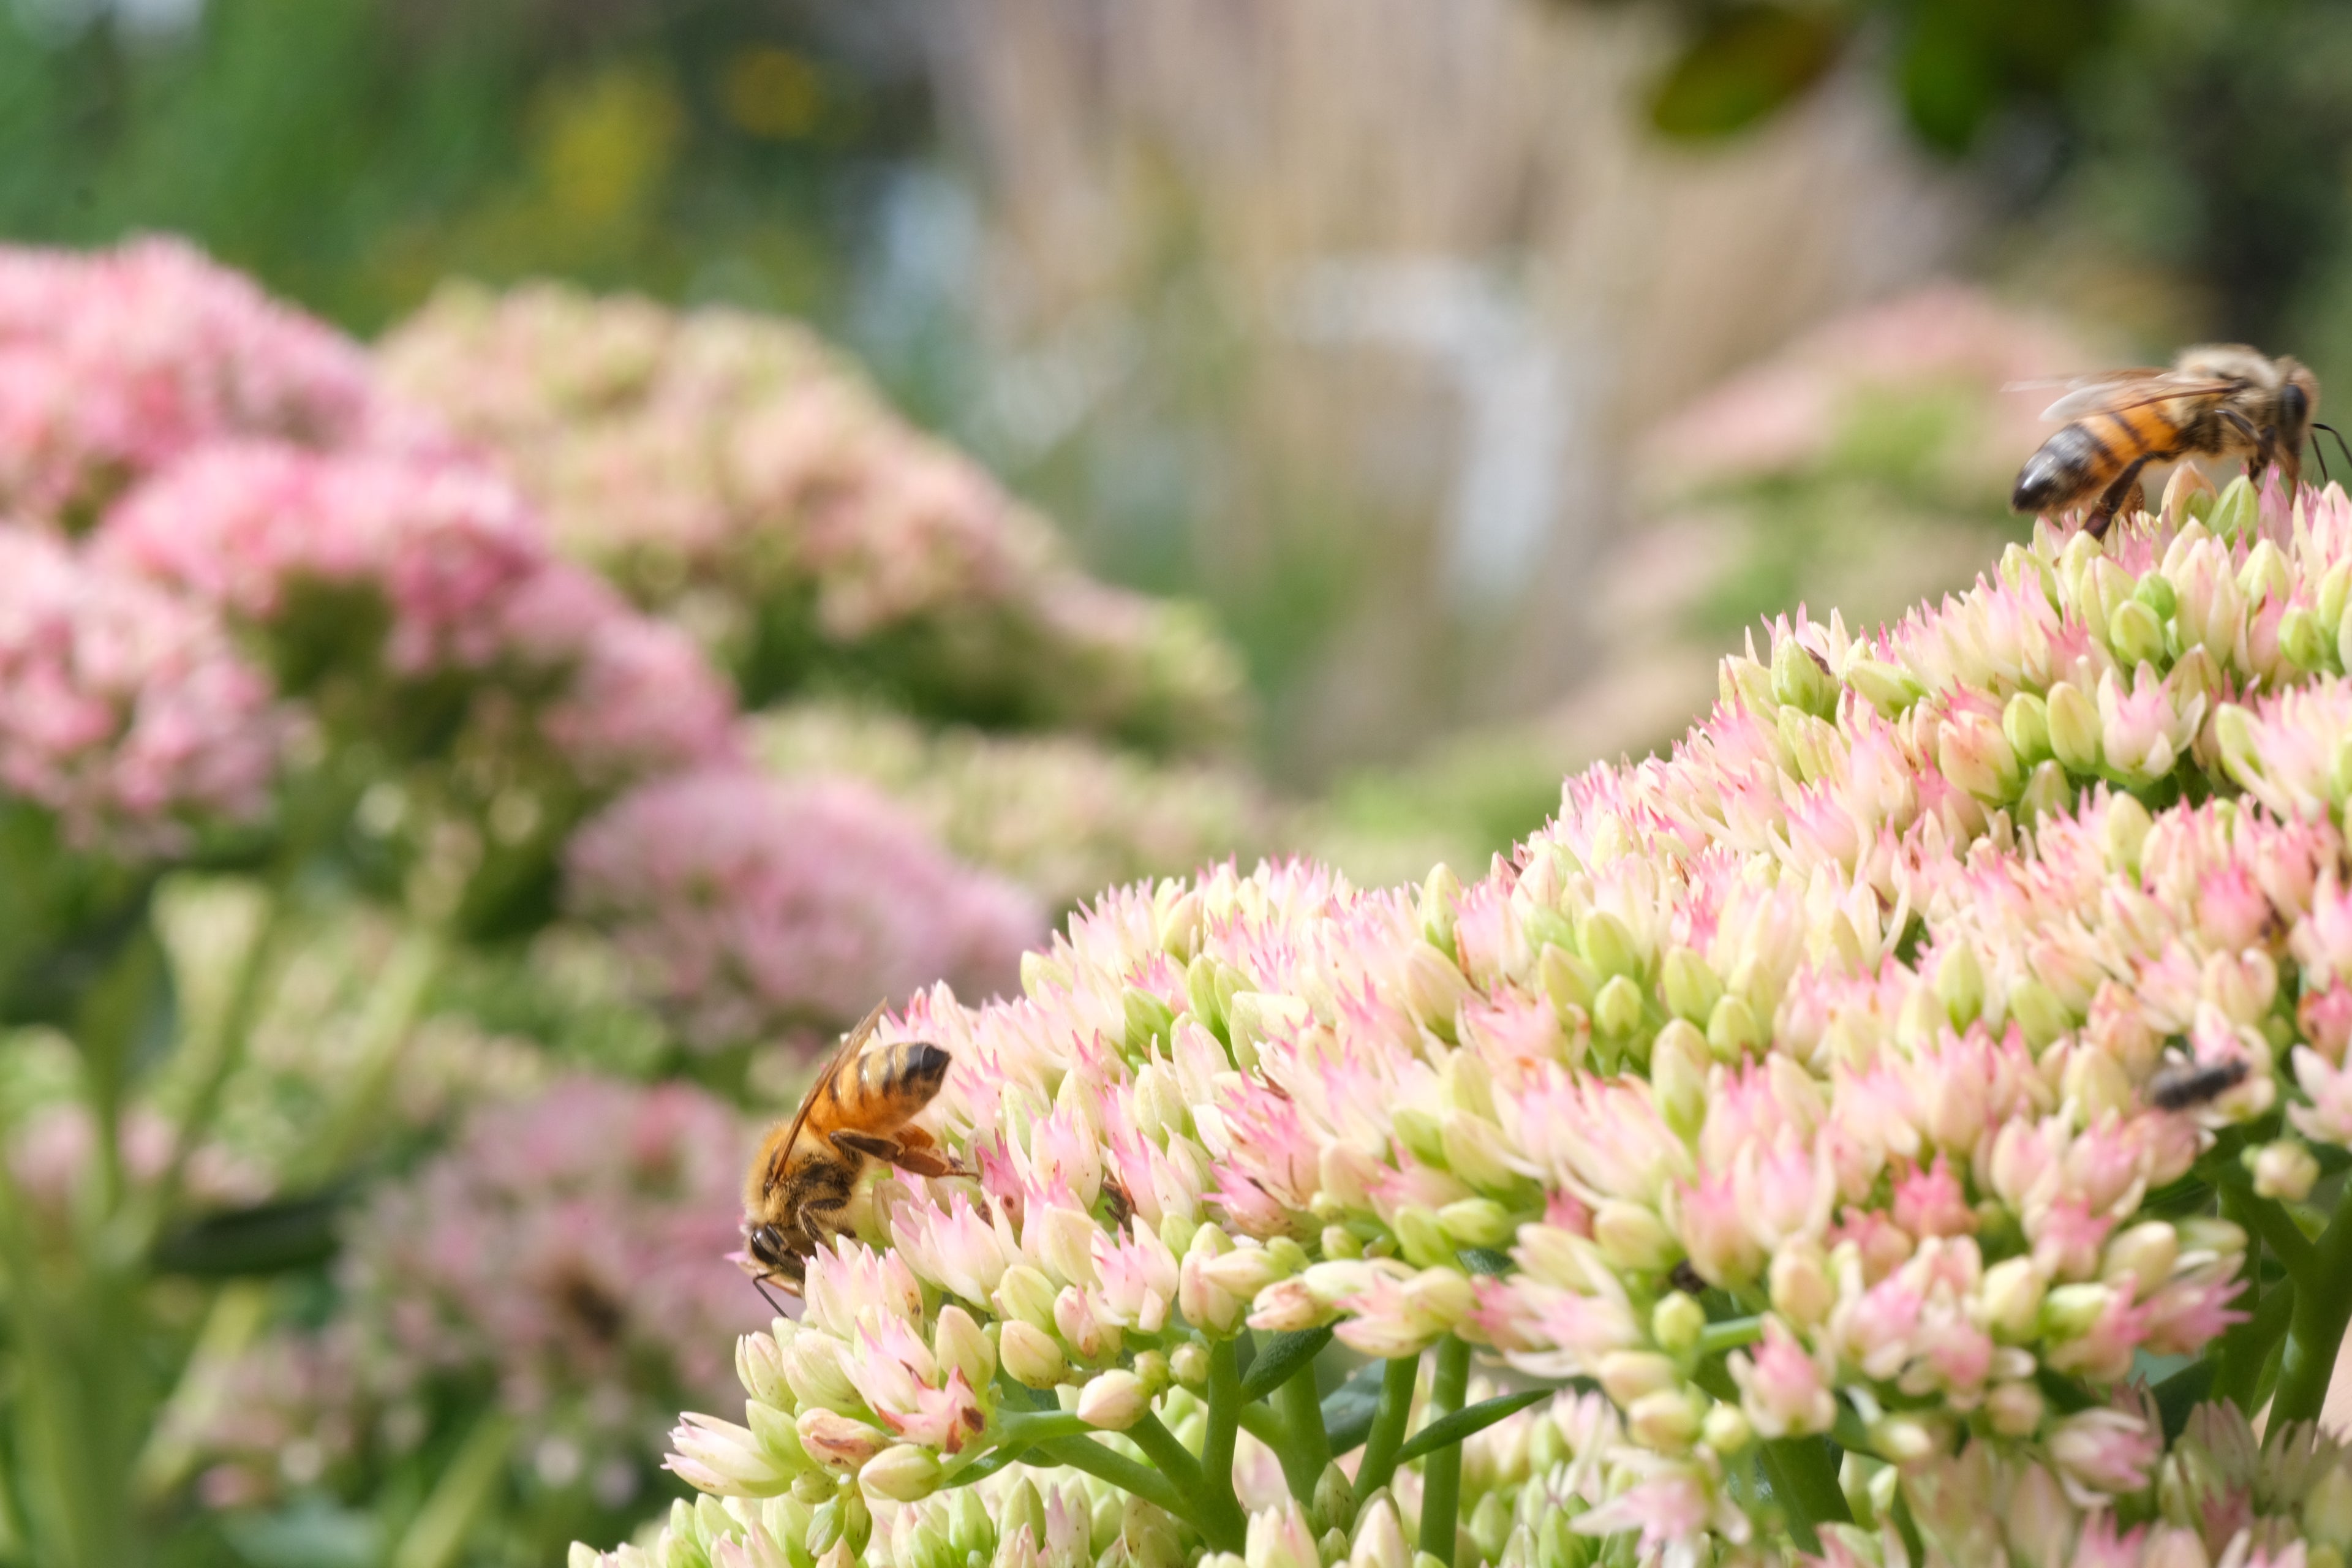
[(393, 1004), (1387, 1436), (2322, 1307), (222, 1049), (233, 1320), (2267, 1218), (438, 1534), (1441, 1473), (1136, 1480), (1015, 1434), (1217, 1444), (1731, 1334), (1805, 1479), (1171, 1457), (2244, 1349), (1308, 1450)]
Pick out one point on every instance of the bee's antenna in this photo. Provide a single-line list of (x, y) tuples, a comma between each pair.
[(761, 1287), (2340, 446), (2319, 451)]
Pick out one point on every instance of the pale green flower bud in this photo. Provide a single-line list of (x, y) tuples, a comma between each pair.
[(2070, 1312), (2135, 634), (1632, 1237), (1041, 977), (2282, 1170), (1200, 991), (1569, 979), (2013, 1293), (2154, 590), (1475, 1149), (1885, 687), (1418, 1129), (1678, 1077), (2074, 728), (1149, 1019), (1338, 1241), (1477, 1222), (1030, 1356), (2234, 512), (2026, 724), (2328, 1511), (1617, 1011), (1608, 943), (1733, 1029), (1188, 1363), (1378, 1540), (2046, 794), (2107, 588), (1904, 1439), (1800, 680), (1151, 1369), (2335, 592), (2039, 1012), (1114, 1400), (1334, 1507), (1676, 1322), (1727, 1429), (2302, 638), (2264, 578), (1628, 1376), (1668, 1421), (1691, 987), (760, 1366), (2147, 1252), (1179, 925), (1439, 895), (1026, 1294), (905, 1473), (2015, 1409), (960, 1342), (1802, 1290), (1423, 1237), (2125, 832), (1960, 984)]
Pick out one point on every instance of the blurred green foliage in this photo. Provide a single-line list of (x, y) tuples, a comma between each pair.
[(353, 153)]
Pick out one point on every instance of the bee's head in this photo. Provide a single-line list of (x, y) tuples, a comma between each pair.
[(770, 1259)]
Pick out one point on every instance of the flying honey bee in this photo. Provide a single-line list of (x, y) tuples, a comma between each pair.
[(857, 1111), (2219, 400), (2186, 1086)]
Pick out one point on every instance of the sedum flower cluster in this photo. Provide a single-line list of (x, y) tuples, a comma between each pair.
[(1064, 816), (1904, 1124), (735, 474)]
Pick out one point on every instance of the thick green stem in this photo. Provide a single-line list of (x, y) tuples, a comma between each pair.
[(1137, 1480), (1387, 1436), (235, 1319), (1217, 1444), (1174, 1460), (2323, 1308), (1308, 1450), (1804, 1477), (2268, 1219), (223, 1049), (439, 1533), (1441, 1473)]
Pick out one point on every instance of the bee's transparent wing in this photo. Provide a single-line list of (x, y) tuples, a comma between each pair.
[(2131, 389)]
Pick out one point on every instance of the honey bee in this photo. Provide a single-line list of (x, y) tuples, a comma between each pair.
[(2185, 1085), (2219, 400), (857, 1111)]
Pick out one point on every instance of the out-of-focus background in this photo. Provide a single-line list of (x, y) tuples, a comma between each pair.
[(590, 542)]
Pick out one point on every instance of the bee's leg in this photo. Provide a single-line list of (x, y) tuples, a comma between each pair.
[(2125, 484), (912, 1150)]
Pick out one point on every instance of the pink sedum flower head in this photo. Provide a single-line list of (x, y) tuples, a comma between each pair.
[(124, 709), (114, 365), (734, 474), (750, 905)]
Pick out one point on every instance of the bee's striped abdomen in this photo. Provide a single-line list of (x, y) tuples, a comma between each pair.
[(2082, 458), (889, 1084)]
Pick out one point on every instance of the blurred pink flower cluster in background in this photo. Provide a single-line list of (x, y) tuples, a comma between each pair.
[(734, 473), (256, 505), (568, 1252), (755, 904)]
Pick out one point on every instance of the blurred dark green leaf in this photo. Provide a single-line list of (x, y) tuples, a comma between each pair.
[(267, 1238), (1743, 64)]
